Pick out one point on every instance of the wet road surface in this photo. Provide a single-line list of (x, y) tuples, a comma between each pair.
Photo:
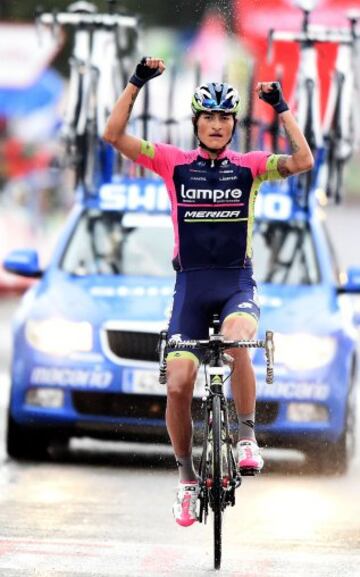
[(98, 511)]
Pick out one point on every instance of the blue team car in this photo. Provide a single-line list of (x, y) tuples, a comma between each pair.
[(85, 359)]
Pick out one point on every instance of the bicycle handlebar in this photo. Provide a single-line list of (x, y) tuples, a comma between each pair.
[(78, 19), (222, 344), (218, 341), (315, 35), (311, 36)]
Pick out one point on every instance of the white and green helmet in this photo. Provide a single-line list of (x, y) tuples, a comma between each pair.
[(215, 97)]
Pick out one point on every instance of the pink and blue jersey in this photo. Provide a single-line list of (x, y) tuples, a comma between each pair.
[(212, 202)]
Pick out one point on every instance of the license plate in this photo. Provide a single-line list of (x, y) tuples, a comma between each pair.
[(146, 382)]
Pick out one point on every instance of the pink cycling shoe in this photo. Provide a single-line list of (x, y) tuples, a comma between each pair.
[(184, 508), (249, 457)]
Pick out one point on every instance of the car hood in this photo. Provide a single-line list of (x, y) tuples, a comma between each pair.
[(291, 309), (103, 298), (286, 309)]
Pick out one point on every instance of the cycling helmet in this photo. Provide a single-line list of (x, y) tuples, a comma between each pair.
[(215, 97)]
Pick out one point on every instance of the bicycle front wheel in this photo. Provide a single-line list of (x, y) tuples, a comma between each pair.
[(217, 488)]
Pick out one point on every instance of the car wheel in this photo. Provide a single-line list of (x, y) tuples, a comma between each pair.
[(335, 458), (25, 443)]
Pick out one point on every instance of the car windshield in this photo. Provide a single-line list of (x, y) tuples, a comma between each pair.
[(110, 242), (284, 253)]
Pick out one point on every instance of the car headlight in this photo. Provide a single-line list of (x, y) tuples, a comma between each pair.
[(59, 337), (304, 352)]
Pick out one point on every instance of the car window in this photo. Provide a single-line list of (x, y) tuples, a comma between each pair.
[(104, 243), (283, 253), (108, 242)]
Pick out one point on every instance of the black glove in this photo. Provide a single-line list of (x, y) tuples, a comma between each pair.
[(143, 73), (275, 98)]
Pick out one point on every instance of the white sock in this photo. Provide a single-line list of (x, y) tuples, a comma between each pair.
[(247, 427), (186, 469)]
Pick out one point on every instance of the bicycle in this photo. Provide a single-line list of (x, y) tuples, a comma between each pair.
[(342, 116), (103, 51), (218, 474), (307, 92), (102, 43)]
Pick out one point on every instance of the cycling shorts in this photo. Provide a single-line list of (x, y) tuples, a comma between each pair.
[(199, 294)]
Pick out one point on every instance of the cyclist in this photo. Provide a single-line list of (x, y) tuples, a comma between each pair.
[(212, 192)]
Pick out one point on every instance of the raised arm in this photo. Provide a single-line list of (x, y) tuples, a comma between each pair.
[(115, 130), (301, 159)]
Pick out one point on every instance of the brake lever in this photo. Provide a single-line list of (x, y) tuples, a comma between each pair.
[(269, 354), (162, 358)]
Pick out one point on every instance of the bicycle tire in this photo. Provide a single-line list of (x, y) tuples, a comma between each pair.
[(339, 181), (335, 178), (91, 153), (305, 179), (334, 185), (204, 466), (217, 489)]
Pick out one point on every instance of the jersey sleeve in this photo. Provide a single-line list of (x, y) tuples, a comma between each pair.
[(263, 165), (269, 168), (159, 158)]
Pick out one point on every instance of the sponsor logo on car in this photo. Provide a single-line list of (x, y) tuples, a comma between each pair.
[(130, 195), (292, 390), (65, 377)]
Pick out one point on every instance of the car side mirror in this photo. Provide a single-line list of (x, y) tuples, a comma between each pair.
[(24, 262), (352, 285)]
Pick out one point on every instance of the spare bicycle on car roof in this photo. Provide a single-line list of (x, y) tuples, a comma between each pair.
[(340, 118), (103, 44)]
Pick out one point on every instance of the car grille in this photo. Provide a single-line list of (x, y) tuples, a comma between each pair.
[(120, 405), (150, 407), (133, 345)]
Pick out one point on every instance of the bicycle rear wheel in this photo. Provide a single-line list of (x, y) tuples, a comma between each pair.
[(335, 143), (217, 488)]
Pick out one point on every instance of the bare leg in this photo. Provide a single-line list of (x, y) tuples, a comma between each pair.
[(244, 393), (181, 376), (243, 378), (181, 379)]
